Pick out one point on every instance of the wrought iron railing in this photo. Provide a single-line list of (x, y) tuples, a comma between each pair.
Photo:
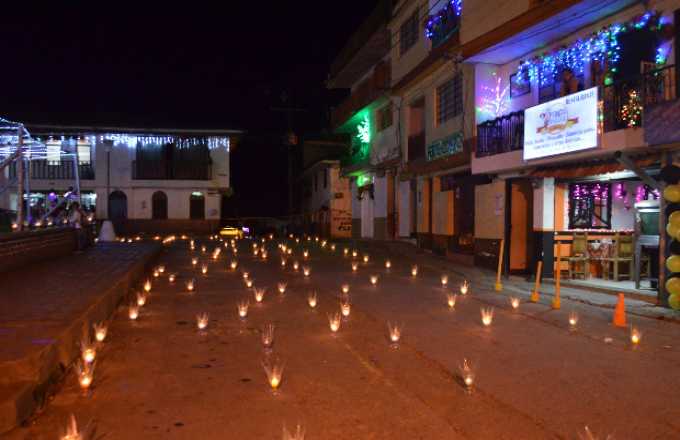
[(62, 170), (501, 135)]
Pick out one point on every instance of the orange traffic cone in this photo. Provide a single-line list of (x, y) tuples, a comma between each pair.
[(620, 313)]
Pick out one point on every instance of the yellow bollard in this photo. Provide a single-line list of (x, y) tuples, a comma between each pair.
[(534, 294), (499, 286), (556, 300)]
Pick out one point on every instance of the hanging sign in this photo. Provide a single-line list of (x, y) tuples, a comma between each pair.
[(563, 125), (445, 147)]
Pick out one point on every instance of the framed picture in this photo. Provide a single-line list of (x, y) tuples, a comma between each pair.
[(519, 88)]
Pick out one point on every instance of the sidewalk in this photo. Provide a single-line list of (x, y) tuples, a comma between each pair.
[(514, 284), (43, 308)]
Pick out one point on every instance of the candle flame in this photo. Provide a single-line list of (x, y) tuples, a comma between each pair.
[(233, 265), (365, 258), (305, 254), (100, 330), (267, 335), (202, 321), (141, 299), (306, 271), (296, 266), (333, 247), (243, 308), (345, 288), (451, 300), (194, 261), (354, 253), (464, 288), (394, 332), (444, 280), (374, 279), (487, 316), (283, 262), (514, 302), (274, 371), (72, 432), (133, 312), (635, 335), (388, 264), (259, 295), (161, 269), (204, 269), (88, 351), (355, 266), (282, 287), (345, 307), (147, 286), (345, 251), (312, 299), (467, 373), (414, 271), (85, 373), (334, 321), (249, 283), (573, 319), (245, 275), (171, 277), (190, 285), (156, 273)]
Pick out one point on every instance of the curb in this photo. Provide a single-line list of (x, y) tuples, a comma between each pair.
[(22, 398)]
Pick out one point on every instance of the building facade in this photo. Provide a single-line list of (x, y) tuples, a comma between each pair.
[(142, 180)]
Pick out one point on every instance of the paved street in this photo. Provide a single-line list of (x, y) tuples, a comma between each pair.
[(161, 378)]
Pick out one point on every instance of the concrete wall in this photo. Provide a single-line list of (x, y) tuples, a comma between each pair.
[(404, 207), (403, 64), (478, 19), (442, 210)]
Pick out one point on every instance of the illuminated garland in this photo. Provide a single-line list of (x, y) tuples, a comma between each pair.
[(441, 19), (600, 46)]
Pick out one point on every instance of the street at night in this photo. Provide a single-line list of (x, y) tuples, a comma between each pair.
[(381, 219)]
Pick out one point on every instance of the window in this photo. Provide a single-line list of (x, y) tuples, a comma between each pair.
[(408, 33), (450, 99), (53, 152), (385, 117), (590, 206), (83, 152)]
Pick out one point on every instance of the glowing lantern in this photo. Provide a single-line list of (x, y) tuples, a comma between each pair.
[(274, 372), (204, 269), (100, 330), (355, 266), (334, 322), (202, 321), (451, 300), (281, 287), (147, 286), (514, 302), (345, 307), (573, 320), (267, 336), (444, 280), (414, 271), (190, 285), (85, 373), (243, 309), (312, 299), (388, 264), (306, 271), (133, 312), (345, 288), (141, 299), (635, 336), (259, 295), (394, 331), (464, 288), (487, 316)]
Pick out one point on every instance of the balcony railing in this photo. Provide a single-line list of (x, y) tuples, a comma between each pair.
[(175, 170), (416, 146), (506, 133), (501, 135), (63, 170)]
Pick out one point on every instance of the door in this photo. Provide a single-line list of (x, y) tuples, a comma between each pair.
[(521, 195), (117, 205), (197, 206), (159, 206)]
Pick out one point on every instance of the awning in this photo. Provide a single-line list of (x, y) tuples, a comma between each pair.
[(592, 168)]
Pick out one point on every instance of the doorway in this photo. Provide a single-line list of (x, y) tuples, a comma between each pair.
[(197, 206), (117, 205), (159, 206), (519, 225)]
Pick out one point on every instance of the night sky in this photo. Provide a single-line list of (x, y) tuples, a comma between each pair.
[(193, 65)]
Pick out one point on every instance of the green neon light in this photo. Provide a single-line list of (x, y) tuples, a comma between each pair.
[(362, 180), (364, 130)]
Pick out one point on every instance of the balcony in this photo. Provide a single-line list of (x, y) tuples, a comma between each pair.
[(173, 170), (442, 25), (501, 135), (506, 133), (64, 170), (364, 94)]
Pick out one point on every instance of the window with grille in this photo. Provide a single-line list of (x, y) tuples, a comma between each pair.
[(385, 117), (450, 99), (408, 33)]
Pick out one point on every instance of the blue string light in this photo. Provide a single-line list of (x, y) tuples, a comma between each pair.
[(451, 11)]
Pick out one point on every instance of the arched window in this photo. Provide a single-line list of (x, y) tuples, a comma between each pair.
[(117, 205), (197, 206), (159, 206)]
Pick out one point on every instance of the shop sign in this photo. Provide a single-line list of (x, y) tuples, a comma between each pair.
[(445, 147), (564, 125)]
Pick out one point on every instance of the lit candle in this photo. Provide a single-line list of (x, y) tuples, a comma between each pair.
[(249, 283), (451, 300), (72, 430), (204, 269), (281, 287), (141, 299), (194, 261), (296, 266), (203, 249), (133, 312), (345, 251), (464, 288), (289, 251), (259, 295), (414, 271), (345, 288), (312, 299), (233, 265), (333, 247), (467, 374), (444, 280), (388, 264), (190, 285), (267, 335), (345, 308), (306, 271), (245, 275), (202, 321), (171, 277), (635, 336), (487, 316), (305, 254), (334, 322), (573, 319), (355, 266), (283, 262), (255, 252), (243, 309), (323, 243), (100, 330), (85, 372), (274, 372), (514, 302), (394, 332), (156, 273), (374, 279), (354, 253), (87, 350), (365, 258), (147, 286), (161, 269)]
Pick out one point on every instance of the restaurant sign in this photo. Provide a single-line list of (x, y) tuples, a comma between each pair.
[(563, 125), (445, 147)]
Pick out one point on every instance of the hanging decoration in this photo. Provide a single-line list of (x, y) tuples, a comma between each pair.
[(445, 21), (643, 192), (631, 111), (597, 191), (600, 46)]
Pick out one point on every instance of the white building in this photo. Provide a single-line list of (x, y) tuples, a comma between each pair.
[(143, 180)]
